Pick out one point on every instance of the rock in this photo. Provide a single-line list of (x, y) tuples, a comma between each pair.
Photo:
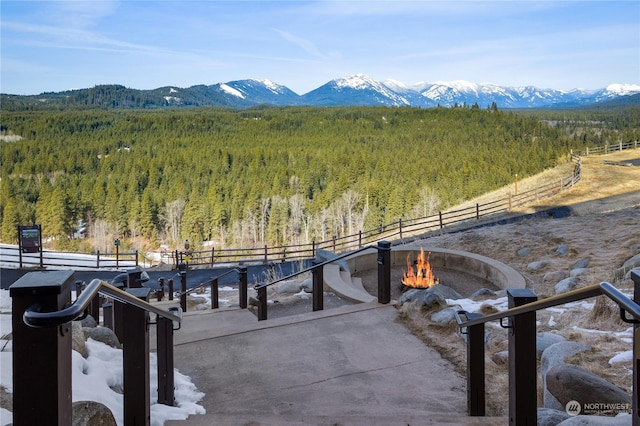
[(524, 251), (577, 271), (551, 417), (104, 335), (288, 287), (307, 285), (482, 292), (566, 285), (554, 276), (546, 339), (91, 413), (445, 316), (582, 263), (500, 358), (325, 255), (196, 303), (633, 262), (535, 266), (88, 321), (562, 249), (552, 356), (78, 339), (431, 296), (568, 382), (623, 420)]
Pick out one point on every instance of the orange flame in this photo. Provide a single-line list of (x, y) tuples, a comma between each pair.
[(423, 277)]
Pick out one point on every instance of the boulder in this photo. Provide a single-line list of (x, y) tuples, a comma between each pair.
[(566, 285), (562, 249), (545, 339), (104, 335), (551, 417), (524, 251), (307, 285), (445, 316), (500, 358), (623, 420), (568, 382), (535, 266), (552, 356), (78, 339), (91, 413), (88, 321), (288, 287), (431, 296), (554, 276), (577, 271), (482, 292), (196, 303), (582, 263)]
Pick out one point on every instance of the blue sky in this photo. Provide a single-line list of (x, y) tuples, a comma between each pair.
[(145, 44)]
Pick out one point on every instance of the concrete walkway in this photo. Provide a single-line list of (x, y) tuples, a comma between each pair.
[(352, 365)]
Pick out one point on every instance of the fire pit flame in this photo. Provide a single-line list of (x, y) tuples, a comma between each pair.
[(423, 276)]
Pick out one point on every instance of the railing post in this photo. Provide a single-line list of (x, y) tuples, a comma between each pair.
[(98, 259), (135, 354), (475, 367), (107, 314), (41, 356), (262, 303), (384, 272), (166, 382), (215, 302), (266, 257), (318, 284), (242, 287), (170, 285), (212, 255), (440, 217), (477, 211), (635, 403), (183, 290), (522, 360), (400, 228), (359, 239), (94, 308)]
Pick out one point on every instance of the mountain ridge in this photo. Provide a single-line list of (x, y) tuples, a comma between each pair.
[(355, 90)]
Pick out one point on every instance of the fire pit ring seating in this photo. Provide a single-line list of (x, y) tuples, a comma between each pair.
[(499, 274)]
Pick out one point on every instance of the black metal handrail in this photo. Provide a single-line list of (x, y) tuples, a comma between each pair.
[(311, 268), (33, 316), (603, 288), (523, 305), (208, 282), (570, 296)]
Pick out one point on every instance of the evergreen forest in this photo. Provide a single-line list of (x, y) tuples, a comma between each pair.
[(267, 176)]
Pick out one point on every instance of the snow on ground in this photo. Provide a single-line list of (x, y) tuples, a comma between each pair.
[(94, 376)]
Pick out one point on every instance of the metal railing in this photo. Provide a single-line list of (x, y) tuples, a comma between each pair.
[(523, 305), (384, 279), (41, 321)]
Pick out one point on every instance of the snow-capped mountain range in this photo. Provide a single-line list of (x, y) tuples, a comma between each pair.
[(361, 89), (356, 90)]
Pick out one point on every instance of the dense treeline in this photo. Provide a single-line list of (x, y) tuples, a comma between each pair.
[(257, 176)]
